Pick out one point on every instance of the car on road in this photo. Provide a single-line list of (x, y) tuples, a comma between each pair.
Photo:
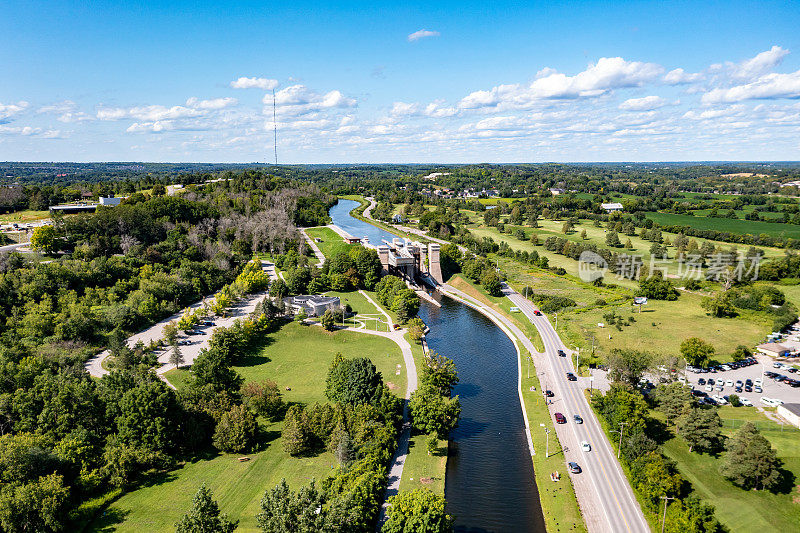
[(574, 468), (537, 312), (561, 353), (577, 419), (771, 402), (549, 393), (571, 376), (560, 419), (585, 446)]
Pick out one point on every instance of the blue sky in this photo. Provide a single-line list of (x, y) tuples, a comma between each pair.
[(374, 82)]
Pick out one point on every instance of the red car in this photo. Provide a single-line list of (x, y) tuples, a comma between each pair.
[(537, 313), (560, 419)]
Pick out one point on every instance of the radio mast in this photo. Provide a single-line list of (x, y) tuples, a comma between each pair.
[(275, 126)]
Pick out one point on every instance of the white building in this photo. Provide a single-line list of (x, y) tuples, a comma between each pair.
[(791, 412), (613, 206), (110, 202), (314, 305)]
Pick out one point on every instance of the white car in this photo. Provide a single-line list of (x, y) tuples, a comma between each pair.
[(772, 402), (745, 402), (757, 382), (585, 446), (726, 367), (720, 388), (729, 383), (719, 399), (757, 389), (709, 388)]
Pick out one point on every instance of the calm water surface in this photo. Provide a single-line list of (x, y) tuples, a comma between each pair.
[(489, 484)]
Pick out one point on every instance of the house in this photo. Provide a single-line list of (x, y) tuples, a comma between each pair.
[(773, 349), (556, 191), (314, 305), (613, 206), (397, 219), (791, 412)]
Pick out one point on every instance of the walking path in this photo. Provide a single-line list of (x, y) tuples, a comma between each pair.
[(314, 248)]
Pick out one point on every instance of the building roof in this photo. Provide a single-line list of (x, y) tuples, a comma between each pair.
[(612, 205), (793, 408), (773, 347)]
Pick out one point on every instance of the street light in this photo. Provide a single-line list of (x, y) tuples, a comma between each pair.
[(577, 359), (547, 441)]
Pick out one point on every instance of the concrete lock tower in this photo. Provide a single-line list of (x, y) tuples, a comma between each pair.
[(433, 262)]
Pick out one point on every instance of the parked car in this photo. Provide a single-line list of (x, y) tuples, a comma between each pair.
[(771, 402), (757, 389), (574, 468), (185, 342), (701, 381), (577, 419), (720, 388), (720, 400), (729, 383), (560, 419), (744, 401), (709, 388), (585, 446), (748, 388), (711, 381)]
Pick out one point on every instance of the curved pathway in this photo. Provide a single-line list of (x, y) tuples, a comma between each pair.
[(314, 248)]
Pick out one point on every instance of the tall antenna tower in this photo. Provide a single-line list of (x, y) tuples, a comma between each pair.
[(275, 126)]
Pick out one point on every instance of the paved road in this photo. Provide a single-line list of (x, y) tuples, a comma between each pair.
[(604, 494), (15, 247), (314, 248)]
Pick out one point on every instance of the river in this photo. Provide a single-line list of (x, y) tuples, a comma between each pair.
[(489, 484)]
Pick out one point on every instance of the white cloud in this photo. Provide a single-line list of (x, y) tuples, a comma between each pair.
[(599, 78), (66, 111), (215, 103), (645, 103), (9, 110), (300, 100), (761, 63), (679, 76), (400, 109), (768, 86), (254, 83), (422, 34)]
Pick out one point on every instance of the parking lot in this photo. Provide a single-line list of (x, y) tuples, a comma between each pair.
[(770, 388)]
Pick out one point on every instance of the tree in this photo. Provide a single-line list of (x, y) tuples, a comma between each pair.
[(40, 505), (283, 511), (433, 413), (566, 227), (353, 381), (656, 287), (416, 329), (672, 399), (236, 431), (741, 352), (212, 368), (439, 372), (750, 461), (44, 239), (491, 283), (205, 516), (278, 289), (417, 511), (654, 477), (158, 190), (328, 320), (584, 236), (700, 428), (628, 365), (697, 352), (296, 440), (612, 239), (176, 357), (263, 398), (148, 416)]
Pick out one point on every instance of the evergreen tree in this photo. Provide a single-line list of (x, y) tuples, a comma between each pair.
[(751, 462), (700, 428), (204, 516)]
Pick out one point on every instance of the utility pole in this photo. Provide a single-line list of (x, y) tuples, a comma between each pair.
[(547, 441), (666, 502), (621, 428)]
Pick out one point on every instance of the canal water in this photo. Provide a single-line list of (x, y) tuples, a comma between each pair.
[(489, 485)]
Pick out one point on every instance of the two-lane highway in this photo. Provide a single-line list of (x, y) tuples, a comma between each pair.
[(604, 494)]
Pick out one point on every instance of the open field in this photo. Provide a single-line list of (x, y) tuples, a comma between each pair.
[(297, 358), (331, 243), (740, 510), (661, 327), (753, 227), (23, 216)]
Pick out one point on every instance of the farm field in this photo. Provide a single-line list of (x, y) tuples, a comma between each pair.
[(740, 510), (297, 358), (23, 216), (741, 227)]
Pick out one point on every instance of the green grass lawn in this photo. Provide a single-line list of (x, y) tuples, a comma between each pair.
[(661, 327), (23, 216), (737, 509), (753, 227), (331, 243), (296, 357)]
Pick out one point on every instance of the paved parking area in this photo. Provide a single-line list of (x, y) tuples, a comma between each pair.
[(770, 388)]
